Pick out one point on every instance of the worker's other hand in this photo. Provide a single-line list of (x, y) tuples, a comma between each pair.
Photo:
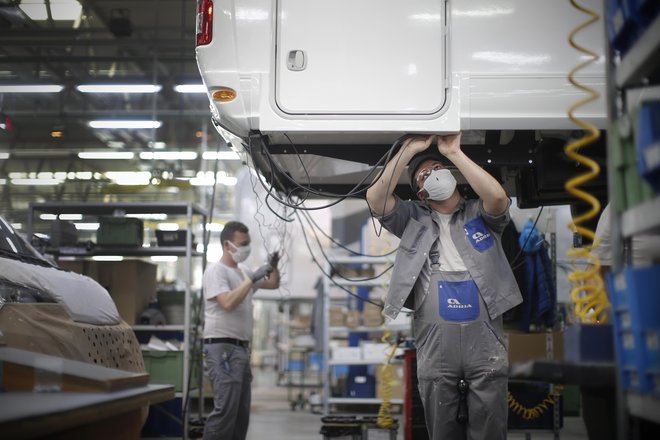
[(261, 272), (449, 144), (417, 144)]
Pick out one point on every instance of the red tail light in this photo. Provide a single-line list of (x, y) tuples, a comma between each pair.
[(204, 22)]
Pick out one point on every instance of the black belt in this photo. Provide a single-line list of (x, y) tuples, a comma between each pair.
[(244, 344)]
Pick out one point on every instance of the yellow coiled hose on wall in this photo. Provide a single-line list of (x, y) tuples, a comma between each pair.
[(590, 303), (588, 296)]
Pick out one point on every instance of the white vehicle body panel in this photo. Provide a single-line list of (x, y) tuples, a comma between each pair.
[(346, 65), (506, 66)]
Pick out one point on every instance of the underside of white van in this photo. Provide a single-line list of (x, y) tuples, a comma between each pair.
[(321, 93)]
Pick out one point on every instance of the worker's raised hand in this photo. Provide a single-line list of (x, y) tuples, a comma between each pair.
[(261, 272), (449, 144), (417, 144)]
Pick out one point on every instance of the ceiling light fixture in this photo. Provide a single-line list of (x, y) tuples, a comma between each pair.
[(31, 88), (168, 227), (111, 155), (36, 182), (220, 155), (119, 88), (110, 124), (70, 217), (168, 155), (190, 88), (107, 257), (129, 177), (4, 155), (59, 10)]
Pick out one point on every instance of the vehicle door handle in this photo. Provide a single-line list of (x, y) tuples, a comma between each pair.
[(297, 60)]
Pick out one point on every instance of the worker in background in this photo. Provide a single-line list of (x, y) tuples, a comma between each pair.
[(451, 270), (642, 249), (228, 287)]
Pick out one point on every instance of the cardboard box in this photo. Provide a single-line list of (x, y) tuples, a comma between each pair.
[(397, 383), (337, 317), (372, 316), (352, 318), (528, 346), (83, 267), (131, 283)]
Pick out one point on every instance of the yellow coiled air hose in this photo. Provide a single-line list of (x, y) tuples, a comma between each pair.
[(588, 295), (536, 411), (385, 419)]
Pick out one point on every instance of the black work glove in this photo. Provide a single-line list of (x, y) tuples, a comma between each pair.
[(274, 259), (261, 272)]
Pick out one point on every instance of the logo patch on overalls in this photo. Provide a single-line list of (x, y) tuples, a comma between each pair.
[(458, 300), (478, 234)]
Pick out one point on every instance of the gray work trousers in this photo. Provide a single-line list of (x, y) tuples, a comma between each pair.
[(228, 369), (477, 353)]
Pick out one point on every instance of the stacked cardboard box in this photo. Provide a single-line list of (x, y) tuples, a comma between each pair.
[(131, 283)]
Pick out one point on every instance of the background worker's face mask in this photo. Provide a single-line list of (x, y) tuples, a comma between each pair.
[(439, 185), (241, 253)]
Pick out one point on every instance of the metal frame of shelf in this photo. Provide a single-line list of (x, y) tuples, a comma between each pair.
[(330, 331), (187, 209)]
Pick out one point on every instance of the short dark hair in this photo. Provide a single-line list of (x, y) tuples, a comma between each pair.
[(417, 161), (230, 229)]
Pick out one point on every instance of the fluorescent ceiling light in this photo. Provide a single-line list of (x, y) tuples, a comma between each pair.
[(106, 155), (164, 258), (59, 9), (168, 226), (168, 155), (31, 88), (190, 88), (72, 217), (3, 181), (36, 182), (215, 227), (129, 177), (119, 88), (17, 225), (220, 155), (4, 155), (107, 258), (208, 181), (148, 216), (86, 226), (124, 124)]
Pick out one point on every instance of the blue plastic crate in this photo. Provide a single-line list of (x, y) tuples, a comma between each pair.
[(648, 143), (642, 290), (641, 12), (636, 302), (622, 30), (295, 365), (361, 385)]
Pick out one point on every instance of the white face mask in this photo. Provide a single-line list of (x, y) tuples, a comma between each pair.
[(241, 253), (440, 185)]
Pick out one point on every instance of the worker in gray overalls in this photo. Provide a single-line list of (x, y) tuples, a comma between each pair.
[(451, 270)]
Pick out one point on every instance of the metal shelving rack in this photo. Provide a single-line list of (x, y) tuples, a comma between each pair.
[(632, 70), (191, 212), (329, 332)]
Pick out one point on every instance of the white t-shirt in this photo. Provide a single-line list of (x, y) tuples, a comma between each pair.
[(450, 259), (219, 323), (644, 246)]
